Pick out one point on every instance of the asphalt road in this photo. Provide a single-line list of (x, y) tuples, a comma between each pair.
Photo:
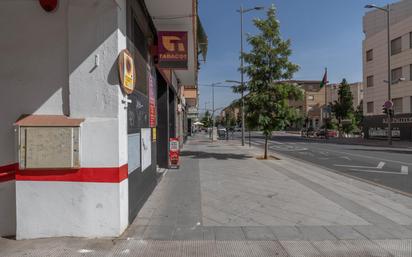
[(391, 167)]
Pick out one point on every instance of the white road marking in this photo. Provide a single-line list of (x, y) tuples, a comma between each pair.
[(365, 156), (380, 166), (346, 158), (381, 171), (404, 170)]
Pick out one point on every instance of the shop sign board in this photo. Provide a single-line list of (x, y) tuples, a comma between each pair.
[(404, 120), (174, 152), (152, 101), (383, 133), (173, 49), (127, 72)]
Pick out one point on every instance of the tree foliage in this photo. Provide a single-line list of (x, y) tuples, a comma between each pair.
[(267, 65), (207, 119), (343, 109)]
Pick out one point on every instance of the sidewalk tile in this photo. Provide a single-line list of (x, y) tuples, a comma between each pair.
[(229, 233), (401, 248), (344, 232), (334, 248), (373, 232), (398, 231), (187, 233), (316, 233), (365, 248), (258, 233), (267, 248), (300, 249), (208, 233), (159, 232), (135, 232), (287, 233)]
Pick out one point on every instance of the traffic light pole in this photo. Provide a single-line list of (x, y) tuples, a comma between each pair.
[(389, 75)]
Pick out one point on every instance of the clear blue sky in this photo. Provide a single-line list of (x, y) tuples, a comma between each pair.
[(324, 33)]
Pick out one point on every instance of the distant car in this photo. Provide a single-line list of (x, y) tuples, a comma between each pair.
[(238, 129), (309, 132), (321, 133)]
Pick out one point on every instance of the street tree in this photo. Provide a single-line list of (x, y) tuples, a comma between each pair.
[(207, 119), (359, 116), (268, 65), (343, 108)]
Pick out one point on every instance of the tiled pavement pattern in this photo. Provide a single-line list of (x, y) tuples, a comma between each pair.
[(224, 202), (69, 247)]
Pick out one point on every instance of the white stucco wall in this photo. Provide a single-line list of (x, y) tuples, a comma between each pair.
[(41, 213), (33, 66), (48, 66)]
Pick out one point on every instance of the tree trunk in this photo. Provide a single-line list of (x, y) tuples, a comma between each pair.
[(340, 128), (265, 156)]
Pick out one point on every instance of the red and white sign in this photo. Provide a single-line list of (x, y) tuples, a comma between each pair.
[(152, 101), (173, 49), (174, 152)]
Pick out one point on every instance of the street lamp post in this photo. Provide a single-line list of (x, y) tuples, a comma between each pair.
[(241, 12), (387, 10)]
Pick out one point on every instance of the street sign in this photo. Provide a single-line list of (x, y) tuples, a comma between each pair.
[(388, 104)]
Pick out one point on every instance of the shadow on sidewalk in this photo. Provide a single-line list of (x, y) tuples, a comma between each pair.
[(217, 156)]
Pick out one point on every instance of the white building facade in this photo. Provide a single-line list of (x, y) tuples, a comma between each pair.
[(375, 70), (79, 156)]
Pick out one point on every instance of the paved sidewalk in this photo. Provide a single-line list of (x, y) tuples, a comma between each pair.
[(224, 202)]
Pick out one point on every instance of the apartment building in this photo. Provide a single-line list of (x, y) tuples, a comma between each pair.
[(312, 103), (355, 88), (375, 70)]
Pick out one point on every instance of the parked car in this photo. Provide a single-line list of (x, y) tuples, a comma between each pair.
[(321, 133), (309, 132)]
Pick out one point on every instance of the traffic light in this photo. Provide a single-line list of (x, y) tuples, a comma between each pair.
[(385, 110), (388, 111)]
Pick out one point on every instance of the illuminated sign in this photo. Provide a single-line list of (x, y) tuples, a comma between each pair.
[(172, 49)]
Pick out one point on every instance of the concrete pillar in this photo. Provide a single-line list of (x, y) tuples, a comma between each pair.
[(95, 204)]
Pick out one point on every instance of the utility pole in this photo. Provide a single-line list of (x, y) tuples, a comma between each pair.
[(213, 109), (387, 10), (242, 75), (389, 73), (242, 84)]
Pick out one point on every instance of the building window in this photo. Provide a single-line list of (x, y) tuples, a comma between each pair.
[(369, 81), (396, 75), (396, 46), (311, 97), (369, 55), (369, 107), (410, 103), (410, 72), (397, 105), (410, 39)]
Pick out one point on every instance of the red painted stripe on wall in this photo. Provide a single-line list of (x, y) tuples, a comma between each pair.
[(97, 175), (8, 172)]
